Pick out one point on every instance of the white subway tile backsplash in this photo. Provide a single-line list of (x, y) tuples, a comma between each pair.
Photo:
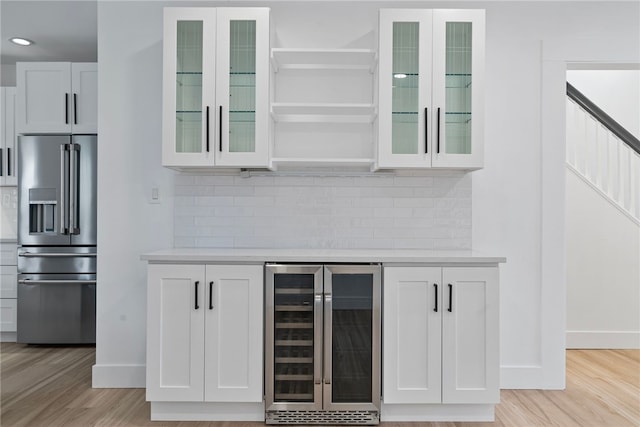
[(375, 212)]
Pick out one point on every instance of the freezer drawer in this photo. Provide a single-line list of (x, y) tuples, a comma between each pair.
[(56, 259), (56, 309)]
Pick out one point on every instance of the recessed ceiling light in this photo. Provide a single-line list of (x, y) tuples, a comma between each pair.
[(400, 76), (20, 41)]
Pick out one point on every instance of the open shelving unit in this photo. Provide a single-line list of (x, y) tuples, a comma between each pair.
[(321, 92)]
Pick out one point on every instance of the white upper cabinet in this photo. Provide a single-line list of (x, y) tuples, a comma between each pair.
[(431, 89), (216, 87), (8, 157), (57, 97)]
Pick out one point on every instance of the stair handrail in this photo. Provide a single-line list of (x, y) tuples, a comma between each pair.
[(606, 120)]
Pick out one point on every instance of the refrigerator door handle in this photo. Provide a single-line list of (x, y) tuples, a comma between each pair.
[(64, 188), (54, 282), (73, 188), (57, 255), (328, 307)]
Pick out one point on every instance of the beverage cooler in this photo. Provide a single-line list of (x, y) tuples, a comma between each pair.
[(322, 344)]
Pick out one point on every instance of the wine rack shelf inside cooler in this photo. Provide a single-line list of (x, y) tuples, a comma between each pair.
[(293, 331)]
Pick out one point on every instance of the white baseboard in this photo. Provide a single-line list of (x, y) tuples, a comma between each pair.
[(207, 411), (8, 337), (522, 377), (603, 339), (119, 376), (434, 413)]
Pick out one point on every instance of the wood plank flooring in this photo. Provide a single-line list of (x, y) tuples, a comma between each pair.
[(51, 386)]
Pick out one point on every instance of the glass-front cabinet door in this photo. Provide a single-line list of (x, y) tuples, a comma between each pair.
[(431, 81), (458, 88), (188, 86), (216, 87), (242, 87), (404, 88)]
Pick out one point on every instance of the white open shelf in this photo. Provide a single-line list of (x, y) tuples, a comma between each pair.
[(295, 112), (318, 59)]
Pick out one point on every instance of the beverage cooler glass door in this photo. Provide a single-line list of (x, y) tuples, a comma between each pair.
[(294, 337), (352, 337)]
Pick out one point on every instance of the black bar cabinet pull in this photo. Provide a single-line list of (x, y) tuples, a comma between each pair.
[(8, 161), (196, 298), (426, 133), (75, 108), (66, 108), (207, 128), (1, 162), (450, 297), (210, 295), (438, 133), (435, 290), (220, 129)]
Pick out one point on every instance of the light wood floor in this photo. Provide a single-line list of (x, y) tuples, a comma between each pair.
[(51, 386)]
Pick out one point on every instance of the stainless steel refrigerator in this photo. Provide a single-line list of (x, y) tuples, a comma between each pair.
[(57, 239)]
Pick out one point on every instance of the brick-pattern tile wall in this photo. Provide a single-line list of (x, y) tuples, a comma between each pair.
[(387, 211)]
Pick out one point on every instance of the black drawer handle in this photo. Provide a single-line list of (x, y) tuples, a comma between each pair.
[(207, 128), (75, 108), (66, 108), (435, 290), (196, 298), (210, 295), (450, 298), (438, 133), (220, 129), (426, 133)]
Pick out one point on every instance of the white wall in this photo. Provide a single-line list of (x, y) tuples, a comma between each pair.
[(616, 92), (603, 270), (129, 88), (518, 199), (8, 73)]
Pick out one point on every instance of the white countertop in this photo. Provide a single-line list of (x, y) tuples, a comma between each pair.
[(247, 256)]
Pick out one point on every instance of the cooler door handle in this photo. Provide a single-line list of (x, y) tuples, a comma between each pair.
[(328, 332), (317, 331)]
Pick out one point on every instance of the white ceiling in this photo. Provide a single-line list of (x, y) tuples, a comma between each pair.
[(61, 30)]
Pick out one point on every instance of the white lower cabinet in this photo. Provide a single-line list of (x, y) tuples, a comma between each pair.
[(440, 335), (8, 291), (205, 333)]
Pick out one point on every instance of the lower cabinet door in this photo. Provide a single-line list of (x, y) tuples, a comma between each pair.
[(8, 314), (175, 332), (470, 328), (412, 334), (234, 333)]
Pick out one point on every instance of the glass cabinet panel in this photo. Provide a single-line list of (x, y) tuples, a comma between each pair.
[(405, 90), (458, 88), (189, 87), (242, 86), (293, 338), (352, 338)]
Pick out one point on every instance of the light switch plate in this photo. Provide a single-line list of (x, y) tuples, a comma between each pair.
[(154, 195)]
